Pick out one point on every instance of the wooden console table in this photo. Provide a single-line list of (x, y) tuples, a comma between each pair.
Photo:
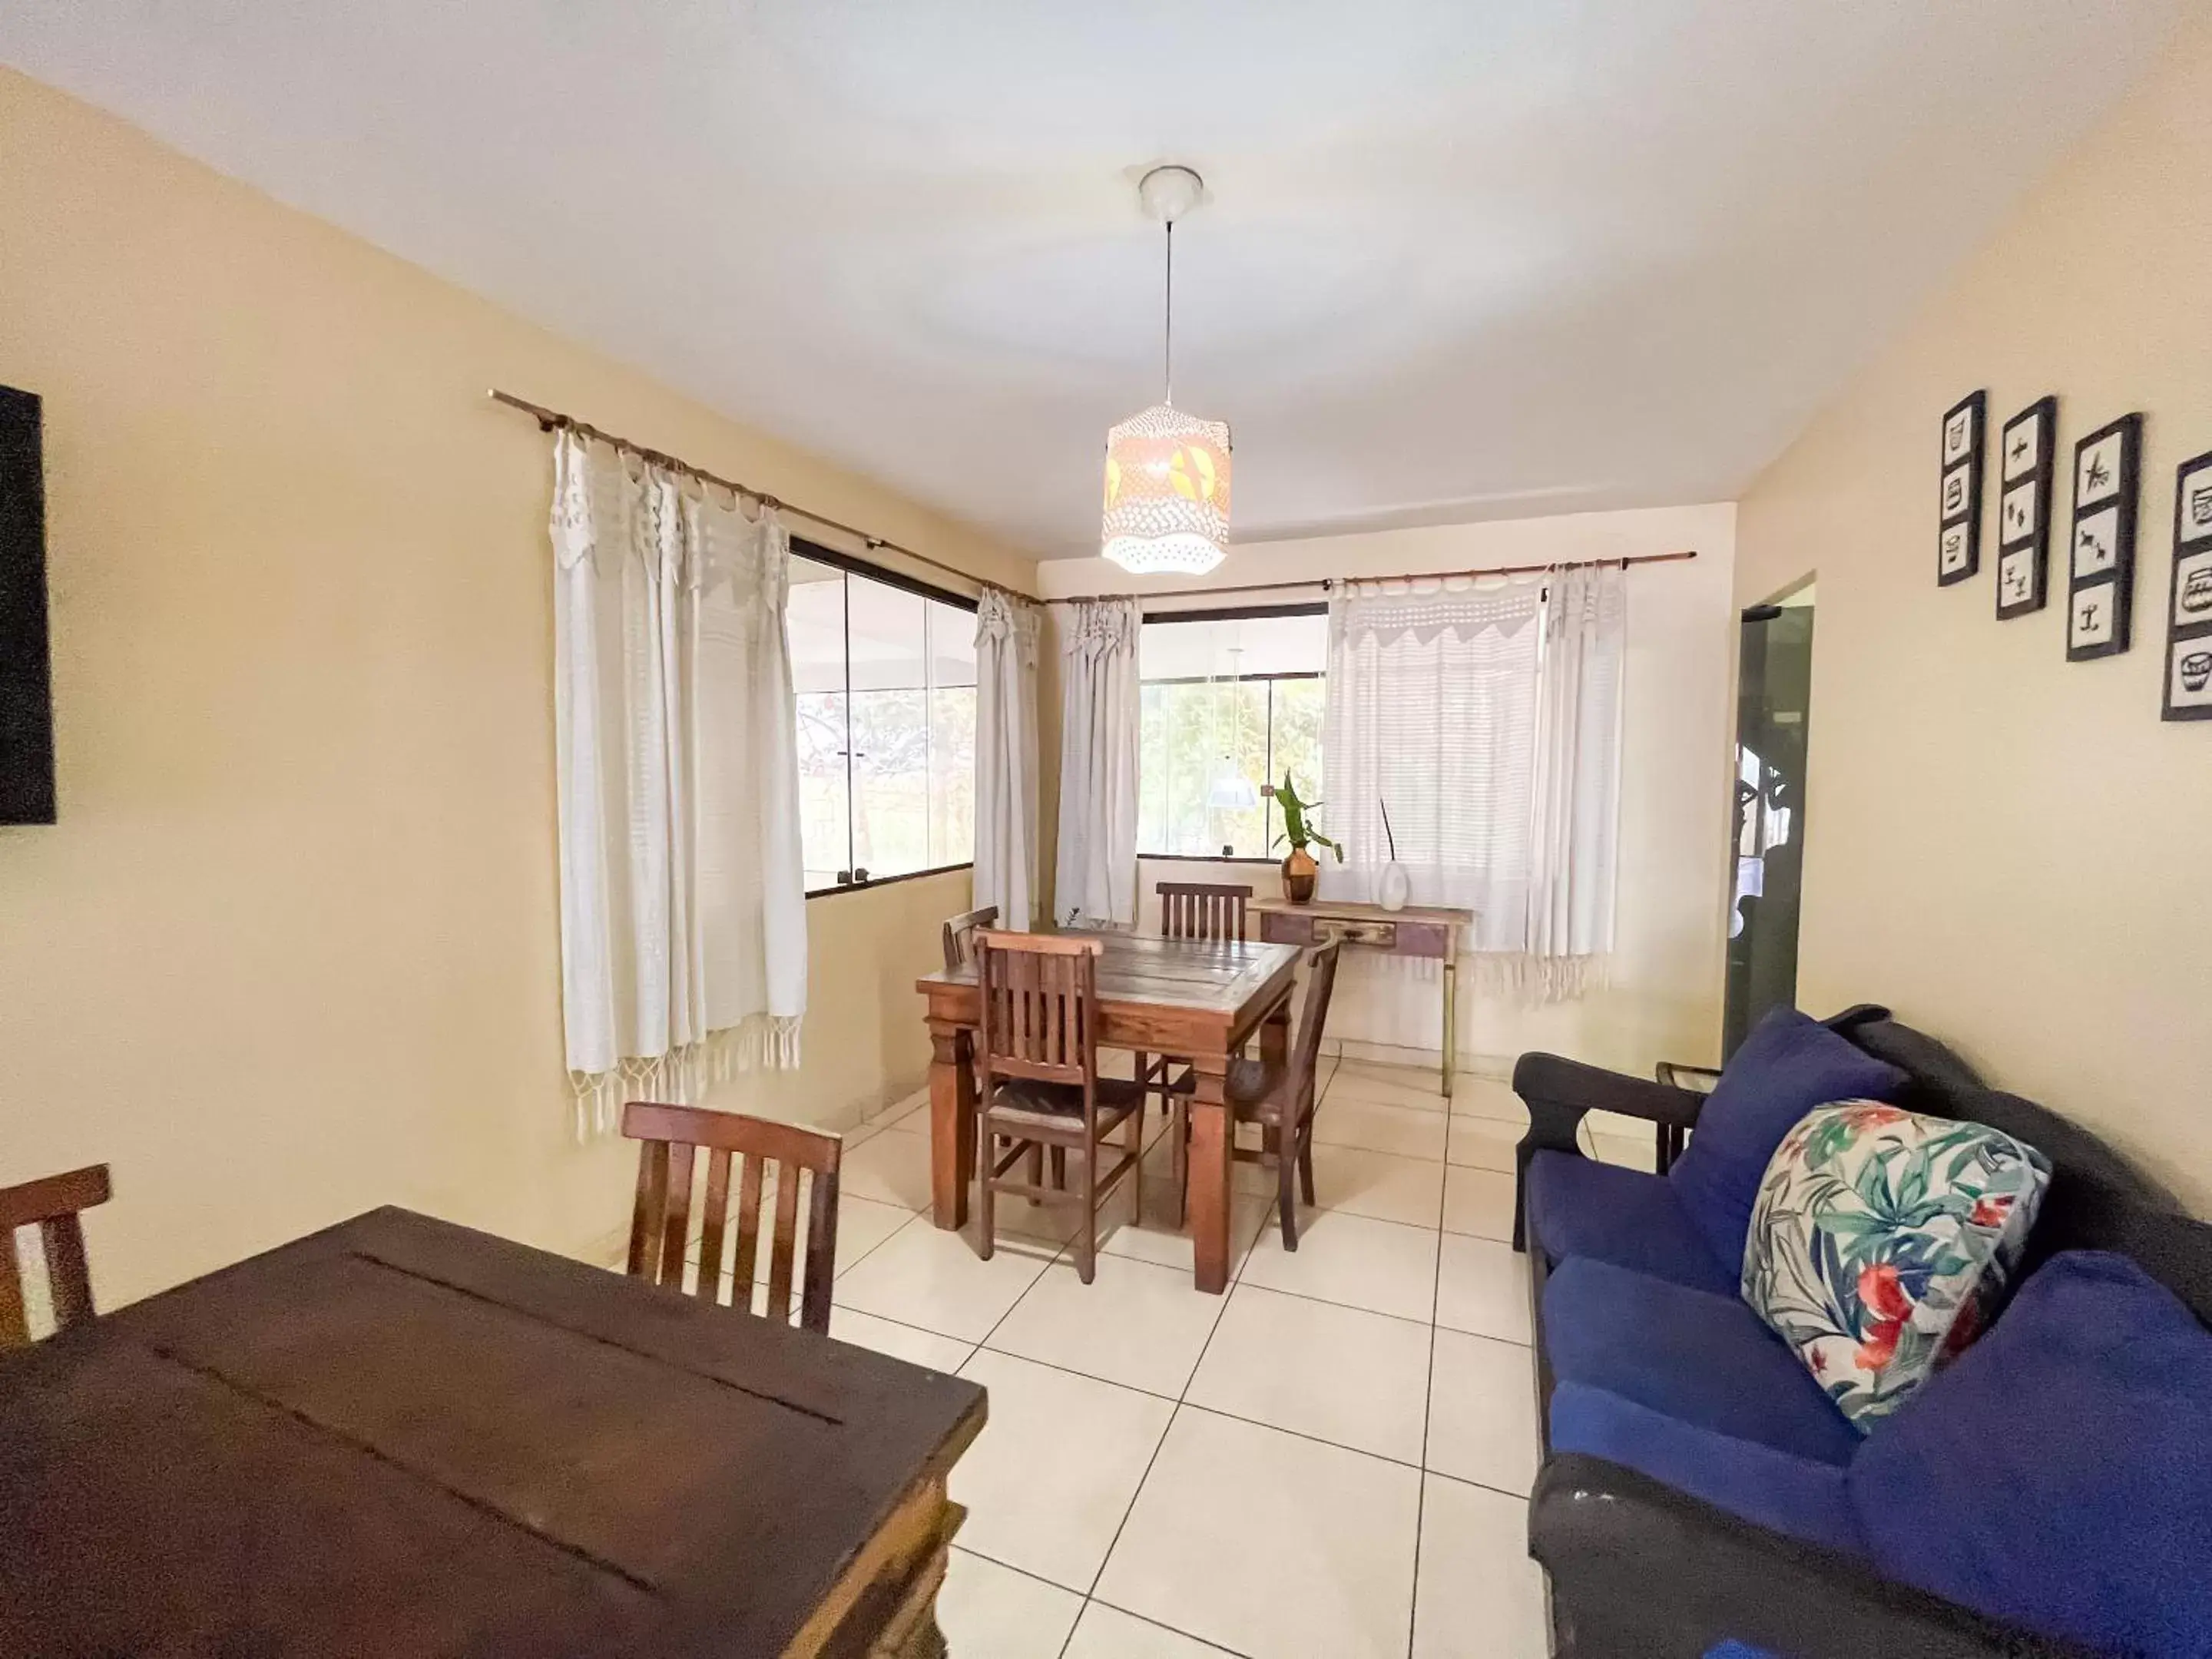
[(1418, 930)]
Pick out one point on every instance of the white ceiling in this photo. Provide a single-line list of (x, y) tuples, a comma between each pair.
[(1470, 260)]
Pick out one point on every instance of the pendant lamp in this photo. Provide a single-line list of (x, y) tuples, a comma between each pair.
[(1167, 473)]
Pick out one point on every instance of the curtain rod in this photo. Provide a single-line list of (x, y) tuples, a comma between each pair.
[(548, 419), (1403, 576)]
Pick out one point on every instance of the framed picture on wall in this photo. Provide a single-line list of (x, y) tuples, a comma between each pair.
[(2188, 605), (1958, 491), (2101, 566), (2024, 480)]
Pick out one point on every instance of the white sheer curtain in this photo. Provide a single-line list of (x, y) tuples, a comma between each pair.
[(1486, 716), (1576, 796), (1095, 882), (683, 897), (1007, 758), (1432, 713)]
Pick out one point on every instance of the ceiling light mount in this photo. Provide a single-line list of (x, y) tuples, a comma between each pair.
[(1171, 192)]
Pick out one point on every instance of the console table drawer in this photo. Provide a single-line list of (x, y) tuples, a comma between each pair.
[(1418, 936)]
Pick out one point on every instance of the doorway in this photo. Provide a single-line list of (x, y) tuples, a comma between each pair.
[(1772, 720)]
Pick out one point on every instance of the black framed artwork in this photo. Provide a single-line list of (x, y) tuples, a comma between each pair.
[(2189, 606), (2025, 464), (1958, 517), (2101, 555)]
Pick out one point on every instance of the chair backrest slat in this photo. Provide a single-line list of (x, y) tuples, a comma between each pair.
[(960, 936), (660, 1224), (676, 1228), (1038, 993), (786, 1243), (716, 1217), (749, 1218), (54, 1205), (1202, 909)]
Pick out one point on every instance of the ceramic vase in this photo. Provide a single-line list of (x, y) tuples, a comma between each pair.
[(1298, 873), (1393, 891)]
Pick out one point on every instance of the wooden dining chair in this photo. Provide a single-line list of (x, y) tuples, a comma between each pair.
[(53, 1204), (1279, 1096), (1195, 910), (1037, 1058), (660, 1223), (960, 936)]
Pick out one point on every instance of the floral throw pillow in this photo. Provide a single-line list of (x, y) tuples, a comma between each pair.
[(1881, 1244)]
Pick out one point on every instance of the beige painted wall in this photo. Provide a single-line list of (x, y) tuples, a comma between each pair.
[(291, 951), (1663, 1000), (2008, 847)]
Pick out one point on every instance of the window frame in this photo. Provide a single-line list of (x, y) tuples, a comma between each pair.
[(853, 565), (1234, 613)]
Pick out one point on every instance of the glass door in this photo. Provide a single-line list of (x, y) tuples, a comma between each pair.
[(1773, 699)]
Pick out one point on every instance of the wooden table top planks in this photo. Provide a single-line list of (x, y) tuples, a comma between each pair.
[(400, 1436), (1215, 977)]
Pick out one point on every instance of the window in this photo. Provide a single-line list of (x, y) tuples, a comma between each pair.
[(885, 674), (1229, 703)]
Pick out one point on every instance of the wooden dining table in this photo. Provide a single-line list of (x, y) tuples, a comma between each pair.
[(1199, 1000), (401, 1438)]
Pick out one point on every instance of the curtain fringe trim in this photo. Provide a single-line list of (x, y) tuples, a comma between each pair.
[(1535, 980), (681, 1076)]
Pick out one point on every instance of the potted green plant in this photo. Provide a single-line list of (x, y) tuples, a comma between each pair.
[(1299, 870)]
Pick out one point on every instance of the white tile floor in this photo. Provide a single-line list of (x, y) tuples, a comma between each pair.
[(1333, 1458)]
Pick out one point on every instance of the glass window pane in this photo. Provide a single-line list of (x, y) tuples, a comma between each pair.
[(815, 623), (890, 727), (1203, 751), (1169, 650), (952, 734), (1295, 746)]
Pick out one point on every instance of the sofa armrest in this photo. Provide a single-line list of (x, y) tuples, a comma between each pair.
[(1559, 1091), (1640, 1571)]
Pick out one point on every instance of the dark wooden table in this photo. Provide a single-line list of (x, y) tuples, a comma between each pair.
[(401, 1438), (1200, 1000)]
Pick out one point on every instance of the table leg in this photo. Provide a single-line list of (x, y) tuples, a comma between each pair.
[(1451, 1022), (1213, 1136), (952, 1124)]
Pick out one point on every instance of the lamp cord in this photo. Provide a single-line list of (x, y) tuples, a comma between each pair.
[(1167, 344)]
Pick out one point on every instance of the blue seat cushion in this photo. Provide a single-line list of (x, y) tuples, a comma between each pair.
[(1703, 1360), (1579, 1208), (2058, 1475), (1788, 1065), (1800, 1496)]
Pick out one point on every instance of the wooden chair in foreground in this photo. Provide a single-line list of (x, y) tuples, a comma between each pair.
[(51, 1205), (1198, 910), (1037, 1060), (960, 936), (660, 1225), (1279, 1096)]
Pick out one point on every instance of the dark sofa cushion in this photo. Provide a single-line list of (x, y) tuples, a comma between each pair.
[(1788, 1065), (1579, 1208), (1800, 1496), (2059, 1473), (1705, 1360)]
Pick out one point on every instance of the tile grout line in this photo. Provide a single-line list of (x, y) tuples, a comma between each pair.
[(1085, 1602), (1428, 1408), (1151, 1462)]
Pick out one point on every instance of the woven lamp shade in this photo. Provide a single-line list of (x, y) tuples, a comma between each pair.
[(1167, 492)]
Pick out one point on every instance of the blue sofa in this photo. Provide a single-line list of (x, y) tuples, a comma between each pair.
[(2049, 1492)]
